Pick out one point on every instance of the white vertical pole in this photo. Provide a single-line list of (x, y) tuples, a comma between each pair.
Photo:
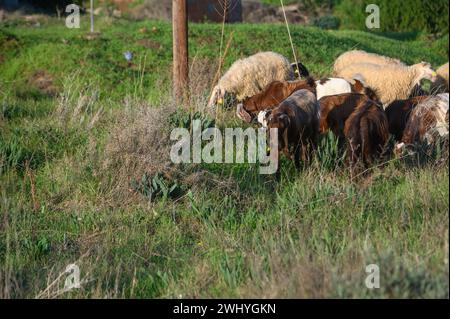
[(92, 16)]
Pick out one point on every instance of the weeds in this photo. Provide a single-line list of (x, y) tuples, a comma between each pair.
[(68, 163), (156, 186)]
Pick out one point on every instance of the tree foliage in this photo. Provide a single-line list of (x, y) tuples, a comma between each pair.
[(396, 15), (52, 4)]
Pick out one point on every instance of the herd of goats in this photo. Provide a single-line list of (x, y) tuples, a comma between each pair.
[(369, 98)]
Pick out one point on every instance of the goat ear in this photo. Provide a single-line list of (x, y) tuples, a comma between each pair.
[(285, 120), (311, 82), (285, 140)]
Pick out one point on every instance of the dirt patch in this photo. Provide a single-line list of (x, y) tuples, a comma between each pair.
[(149, 44), (43, 81), (160, 9), (8, 42), (255, 11), (122, 5)]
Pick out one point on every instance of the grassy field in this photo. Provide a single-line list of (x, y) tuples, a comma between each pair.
[(80, 128)]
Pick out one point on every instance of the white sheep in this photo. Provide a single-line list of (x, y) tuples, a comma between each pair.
[(391, 82), (441, 83), (247, 77), (360, 56)]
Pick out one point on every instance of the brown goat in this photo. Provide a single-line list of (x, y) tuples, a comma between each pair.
[(358, 87), (366, 132), (398, 113), (335, 110), (271, 96), (297, 121)]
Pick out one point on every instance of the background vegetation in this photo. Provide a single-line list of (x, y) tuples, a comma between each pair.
[(397, 16)]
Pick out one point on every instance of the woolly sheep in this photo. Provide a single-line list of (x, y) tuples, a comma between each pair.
[(441, 83), (391, 82), (250, 75), (360, 56)]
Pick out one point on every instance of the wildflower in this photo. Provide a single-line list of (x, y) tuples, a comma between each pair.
[(128, 56)]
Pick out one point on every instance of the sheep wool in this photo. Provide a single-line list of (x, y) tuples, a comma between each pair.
[(360, 56), (391, 82), (247, 77), (441, 83)]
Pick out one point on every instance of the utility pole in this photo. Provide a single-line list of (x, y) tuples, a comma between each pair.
[(92, 16), (180, 49)]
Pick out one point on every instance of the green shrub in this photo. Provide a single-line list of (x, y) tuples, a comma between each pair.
[(156, 186), (327, 22), (416, 15), (183, 119), (52, 4)]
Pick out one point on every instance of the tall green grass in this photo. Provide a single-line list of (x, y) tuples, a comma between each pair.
[(68, 161)]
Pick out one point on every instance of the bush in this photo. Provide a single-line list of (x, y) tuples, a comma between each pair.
[(416, 15), (52, 4), (156, 186), (327, 22)]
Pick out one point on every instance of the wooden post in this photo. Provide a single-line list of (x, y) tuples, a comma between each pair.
[(180, 49)]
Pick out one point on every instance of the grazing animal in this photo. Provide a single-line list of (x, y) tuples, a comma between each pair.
[(391, 82), (263, 116), (360, 56), (271, 96), (440, 85), (335, 110), (277, 91), (250, 75), (333, 86), (398, 113), (427, 122), (300, 69), (418, 90), (297, 121), (366, 132)]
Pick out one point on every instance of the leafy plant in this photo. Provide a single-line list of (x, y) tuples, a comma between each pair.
[(327, 22), (183, 119), (416, 15), (156, 186)]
